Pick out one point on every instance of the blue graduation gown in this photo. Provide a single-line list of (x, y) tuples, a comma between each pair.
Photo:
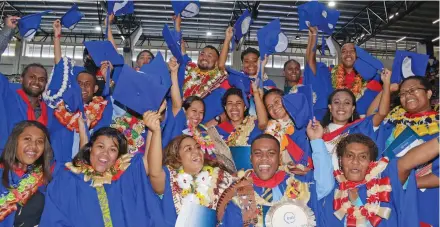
[(428, 210), (13, 109), (62, 140), (402, 203), (13, 179), (72, 202)]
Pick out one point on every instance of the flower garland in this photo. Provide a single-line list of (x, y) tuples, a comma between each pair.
[(201, 83), (204, 140), (280, 129), (339, 81), (93, 112), (240, 136), (422, 125), (99, 179), (133, 129), (21, 192), (205, 190), (53, 100), (378, 190)]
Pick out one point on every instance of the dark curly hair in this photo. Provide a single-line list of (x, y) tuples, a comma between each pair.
[(249, 50), (84, 153), (357, 138), (326, 120)]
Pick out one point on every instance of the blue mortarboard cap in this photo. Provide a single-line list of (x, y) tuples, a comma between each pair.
[(28, 25), (408, 64), (139, 91), (241, 27), (271, 39), (213, 104), (186, 8), (367, 65), (120, 8), (71, 17), (172, 38), (242, 82), (317, 14), (242, 157), (299, 107), (157, 69), (103, 51)]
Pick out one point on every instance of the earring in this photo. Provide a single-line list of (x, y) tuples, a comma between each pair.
[(352, 117), (330, 117)]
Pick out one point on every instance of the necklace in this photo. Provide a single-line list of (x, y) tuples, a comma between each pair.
[(200, 83), (378, 190), (339, 81), (133, 129), (93, 111), (422, 124), (240, 136)]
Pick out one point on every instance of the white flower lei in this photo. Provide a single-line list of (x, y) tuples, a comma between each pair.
[(53, 100)]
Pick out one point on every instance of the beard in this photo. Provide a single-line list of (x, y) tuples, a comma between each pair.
[(30, 92)]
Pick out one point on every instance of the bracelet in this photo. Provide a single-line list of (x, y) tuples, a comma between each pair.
[(58, 36)]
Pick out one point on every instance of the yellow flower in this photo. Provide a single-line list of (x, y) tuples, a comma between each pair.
[(209, 169)]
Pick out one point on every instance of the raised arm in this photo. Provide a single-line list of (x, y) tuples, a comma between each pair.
[(384, 107), (176, 98), (322, 161), (177, 21), (56, 41), (83, 139), (428, 181), (153, 157), (225, 49), (310, 51), (417, 156), (109, 31), (7, 32), (259, 107), (376, 102)]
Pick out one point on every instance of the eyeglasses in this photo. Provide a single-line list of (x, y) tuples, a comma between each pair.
[(412, 91)]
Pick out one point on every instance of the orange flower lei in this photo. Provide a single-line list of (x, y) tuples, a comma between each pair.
[(93, 111), (338, 81), (201, 83)]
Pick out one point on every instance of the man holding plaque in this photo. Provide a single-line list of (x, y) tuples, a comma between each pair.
[(269, 196)]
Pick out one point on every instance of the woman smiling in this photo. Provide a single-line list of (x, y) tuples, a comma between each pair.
[(25, 171)]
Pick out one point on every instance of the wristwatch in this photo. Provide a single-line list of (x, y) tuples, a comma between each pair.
[(218, 119)]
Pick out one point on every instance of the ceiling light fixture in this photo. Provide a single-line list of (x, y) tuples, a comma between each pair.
[(208, 33), (332, 4), (98, 28), (436, 21), (436, 39), (391, 17), (401, 39), (297, 37)]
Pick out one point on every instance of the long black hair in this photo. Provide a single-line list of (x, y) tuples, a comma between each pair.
[(275, 91), (83, 155), (9, 156), (237, 92), (327, 118)]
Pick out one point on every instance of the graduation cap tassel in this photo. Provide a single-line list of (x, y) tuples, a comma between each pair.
[(260, 77)]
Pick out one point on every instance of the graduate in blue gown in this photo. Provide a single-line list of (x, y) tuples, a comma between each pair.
[(185, 176), (416, 112), (288, 124), (266, 186), (360, 173), (25, 170), (241, 129), (102, 186), (23, 102), (343, 119)]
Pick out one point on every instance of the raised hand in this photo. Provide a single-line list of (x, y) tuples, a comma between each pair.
[(385, 76), (313, 30), (111, 17), (229, 33), (11, 21), (56, 27), (104, 67), (315, 130), (152, 121), (173, 65)]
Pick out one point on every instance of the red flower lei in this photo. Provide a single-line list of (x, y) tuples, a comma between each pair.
[(201, 83), (339, 81), (93, 111), (378, 190)]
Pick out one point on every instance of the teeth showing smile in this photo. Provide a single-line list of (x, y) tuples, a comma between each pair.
[(196, 159), (340, 112), (103, 160), (30, 154), (264, 168)]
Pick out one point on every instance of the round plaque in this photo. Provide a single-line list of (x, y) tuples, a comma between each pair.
[(290, 214)]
